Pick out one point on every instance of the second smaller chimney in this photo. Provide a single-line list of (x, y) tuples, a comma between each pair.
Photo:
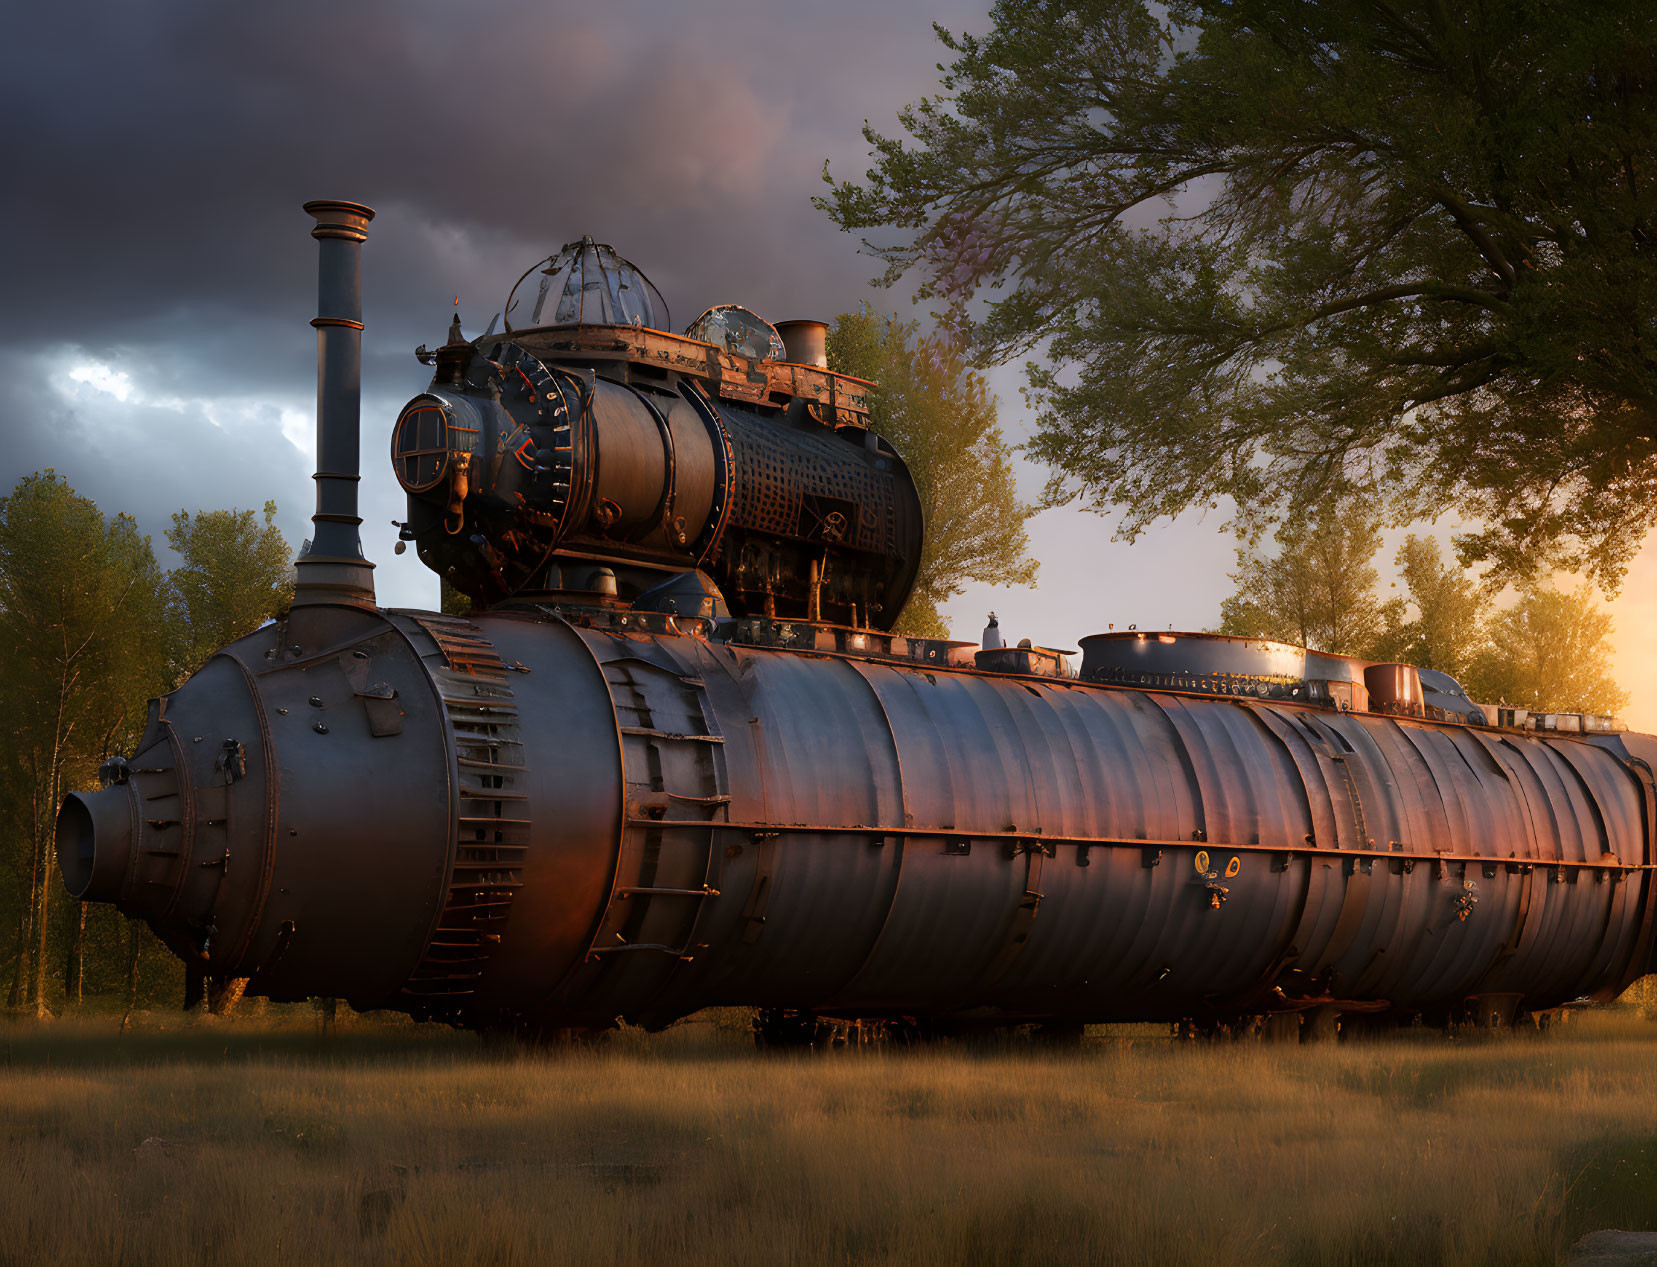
[(805, 342)]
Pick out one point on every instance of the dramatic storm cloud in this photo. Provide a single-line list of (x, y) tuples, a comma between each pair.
[(161, 273)]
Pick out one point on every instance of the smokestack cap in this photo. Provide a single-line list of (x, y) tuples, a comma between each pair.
[(335, 219)]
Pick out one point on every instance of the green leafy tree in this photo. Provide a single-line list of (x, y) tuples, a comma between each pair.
[(1550, 651), (451, 602), (234, 573), (1287, 247), (1318, 590), (941, 417), (1447, 631), (81, 618)]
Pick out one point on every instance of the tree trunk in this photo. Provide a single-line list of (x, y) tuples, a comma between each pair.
[(33, 949), (24, 976), (74, 966), (132, 972), (223, 995), (54, 792), (41, 928), (43, 846), (20, 964)]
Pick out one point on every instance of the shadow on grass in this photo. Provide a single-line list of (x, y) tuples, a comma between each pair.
[(1430, 1083), (1609, 1182), (95, 1045)]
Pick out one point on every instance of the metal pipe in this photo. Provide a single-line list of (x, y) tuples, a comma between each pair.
[(1026, 842), (333, 569)]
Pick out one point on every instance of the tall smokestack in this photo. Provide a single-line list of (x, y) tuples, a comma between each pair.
[(334, 569)]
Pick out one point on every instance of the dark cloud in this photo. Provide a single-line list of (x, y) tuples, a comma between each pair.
[(158, 154), (163, 149)]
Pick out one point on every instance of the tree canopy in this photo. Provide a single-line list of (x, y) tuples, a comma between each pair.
[(93, 629), (1318, 590), (1550, 650), (233, 574), (941, 417), (1279, 249), (1447, 631), (80, 616)]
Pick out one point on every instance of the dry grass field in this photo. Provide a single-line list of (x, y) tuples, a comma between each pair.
[(210, 1142)]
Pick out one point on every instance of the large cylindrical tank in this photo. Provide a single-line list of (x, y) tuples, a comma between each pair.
[(524, 819)]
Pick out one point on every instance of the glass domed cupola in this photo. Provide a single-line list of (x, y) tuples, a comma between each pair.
[(585, 283)]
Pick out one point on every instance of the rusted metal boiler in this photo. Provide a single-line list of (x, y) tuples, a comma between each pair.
[(675, 759)]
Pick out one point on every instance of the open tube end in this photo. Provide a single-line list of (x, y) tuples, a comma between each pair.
[(94, 843)]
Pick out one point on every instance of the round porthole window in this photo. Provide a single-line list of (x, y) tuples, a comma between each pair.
[(420, 444)]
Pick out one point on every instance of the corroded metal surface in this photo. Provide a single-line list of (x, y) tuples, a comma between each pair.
[(523, 475), (914, 841), (836, 399), (671, 823)]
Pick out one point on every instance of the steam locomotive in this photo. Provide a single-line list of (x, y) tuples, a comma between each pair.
[(675, 756)]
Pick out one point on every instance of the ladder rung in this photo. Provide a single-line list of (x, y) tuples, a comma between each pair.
[(675, 951)]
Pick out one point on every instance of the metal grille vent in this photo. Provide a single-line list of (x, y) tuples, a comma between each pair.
[(491, 825)]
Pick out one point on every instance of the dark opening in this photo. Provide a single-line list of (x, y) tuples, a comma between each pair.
[(77, 843)]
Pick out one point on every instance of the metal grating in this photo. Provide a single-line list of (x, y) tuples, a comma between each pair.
[(491, 824), (776, 467)]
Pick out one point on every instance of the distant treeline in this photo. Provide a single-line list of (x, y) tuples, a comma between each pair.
[(1548, 650), (93, 628)]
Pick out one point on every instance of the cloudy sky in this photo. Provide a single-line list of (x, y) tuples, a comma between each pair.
[(155, 342)]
